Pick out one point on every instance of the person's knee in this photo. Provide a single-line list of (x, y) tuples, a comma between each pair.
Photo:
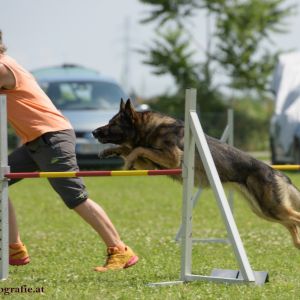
[(75, 201), (71, 190)]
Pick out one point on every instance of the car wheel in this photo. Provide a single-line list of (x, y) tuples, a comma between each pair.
[(296, 152), (273, 154)]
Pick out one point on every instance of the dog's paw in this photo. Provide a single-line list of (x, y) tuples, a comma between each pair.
[(106, 154), (129, 161), (128, 165)]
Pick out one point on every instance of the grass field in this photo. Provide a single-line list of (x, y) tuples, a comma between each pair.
[(147, 213)]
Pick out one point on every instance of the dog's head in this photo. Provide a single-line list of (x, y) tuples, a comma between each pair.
[(120, 128)]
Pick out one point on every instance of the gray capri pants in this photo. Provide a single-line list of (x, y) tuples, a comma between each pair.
[(52, 152)]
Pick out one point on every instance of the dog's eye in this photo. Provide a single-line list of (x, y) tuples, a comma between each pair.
[(115, 129)]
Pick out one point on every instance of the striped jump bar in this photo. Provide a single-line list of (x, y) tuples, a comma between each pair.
[(92, 173), (118, 173), (286, 167)]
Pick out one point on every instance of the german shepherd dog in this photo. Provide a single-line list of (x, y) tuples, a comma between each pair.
[(150, 140)]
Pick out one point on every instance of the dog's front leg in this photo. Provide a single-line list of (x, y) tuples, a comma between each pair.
[(130, 159), (114, 151), (165, 159)]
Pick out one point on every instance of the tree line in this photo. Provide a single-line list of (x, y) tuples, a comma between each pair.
[(233, 69)]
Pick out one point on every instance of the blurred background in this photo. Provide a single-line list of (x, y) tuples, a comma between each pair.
[(154, 50)]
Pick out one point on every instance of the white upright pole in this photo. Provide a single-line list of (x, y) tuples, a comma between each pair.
[(3, 191), (188, 186), (230, 120), (217, 187), (227, 137)]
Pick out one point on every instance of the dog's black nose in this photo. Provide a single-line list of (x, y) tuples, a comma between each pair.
[(94, 132)]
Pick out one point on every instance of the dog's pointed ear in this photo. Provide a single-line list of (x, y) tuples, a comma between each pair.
[(129, 109), (122, 105)]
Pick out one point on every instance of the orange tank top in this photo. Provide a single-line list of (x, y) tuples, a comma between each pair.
[(30, 112)]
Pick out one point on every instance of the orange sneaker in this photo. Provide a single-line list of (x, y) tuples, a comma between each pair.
[(118, 259), (18, 255)]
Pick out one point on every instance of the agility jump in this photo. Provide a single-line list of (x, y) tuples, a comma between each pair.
[(21, 175), (193, 134), (93, 173)]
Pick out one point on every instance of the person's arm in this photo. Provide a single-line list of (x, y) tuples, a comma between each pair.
[(7, 79)]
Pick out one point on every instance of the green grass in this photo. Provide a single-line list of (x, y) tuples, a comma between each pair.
[(147, 213)]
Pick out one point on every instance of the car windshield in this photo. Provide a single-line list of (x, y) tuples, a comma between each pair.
[(84, 95)]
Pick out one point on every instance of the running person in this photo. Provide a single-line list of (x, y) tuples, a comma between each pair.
[(48, 144)]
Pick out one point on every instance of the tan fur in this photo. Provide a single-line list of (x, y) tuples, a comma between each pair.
[(148, 140)]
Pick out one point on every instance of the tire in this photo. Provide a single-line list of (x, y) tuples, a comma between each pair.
[(273, 154), (296, 152)]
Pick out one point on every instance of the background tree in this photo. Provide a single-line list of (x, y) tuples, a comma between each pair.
[(239, 47), (243, 30)]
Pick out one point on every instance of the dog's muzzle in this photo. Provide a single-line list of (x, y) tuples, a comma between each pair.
[(100, 135), (95, 133)]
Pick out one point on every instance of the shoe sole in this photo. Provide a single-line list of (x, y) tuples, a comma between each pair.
[(19, 262), (133, 260)]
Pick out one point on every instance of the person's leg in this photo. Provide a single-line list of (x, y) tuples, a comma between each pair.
[(94, 215), (120, 256), (18, 254), (61, 146), (14, 236), (19, 161)]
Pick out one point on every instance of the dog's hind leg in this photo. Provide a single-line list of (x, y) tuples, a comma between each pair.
[(290, 218), (293, 229)]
